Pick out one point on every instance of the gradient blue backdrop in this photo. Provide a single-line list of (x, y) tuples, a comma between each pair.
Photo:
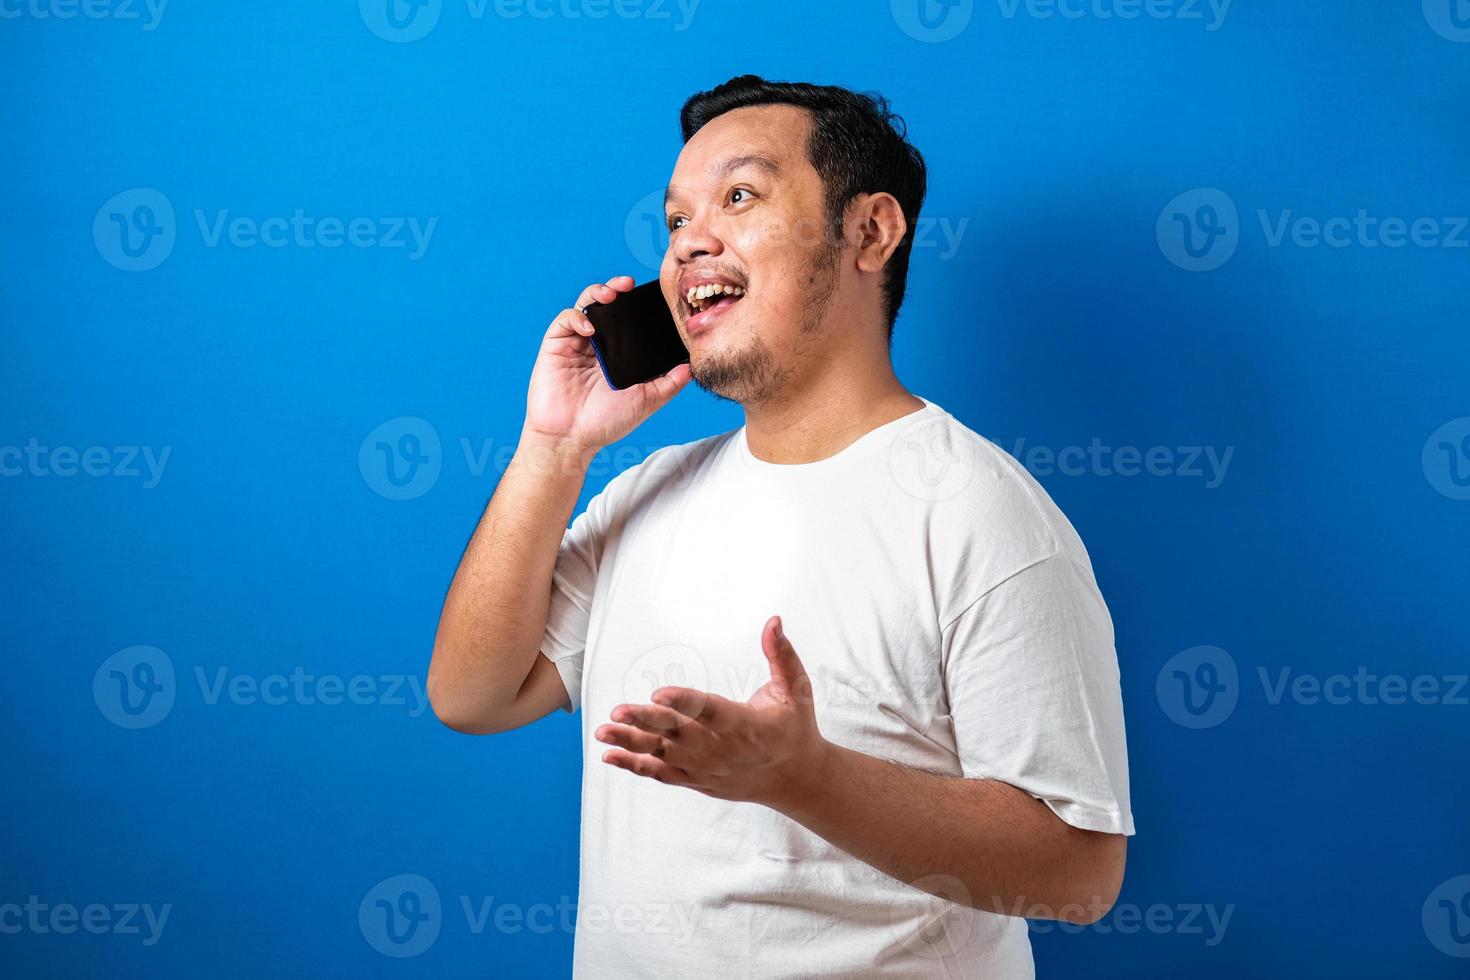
[(1061, 313)]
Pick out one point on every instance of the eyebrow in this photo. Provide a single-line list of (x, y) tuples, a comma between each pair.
[(728, 166)]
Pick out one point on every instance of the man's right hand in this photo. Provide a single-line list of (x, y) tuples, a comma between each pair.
[(569, 403)]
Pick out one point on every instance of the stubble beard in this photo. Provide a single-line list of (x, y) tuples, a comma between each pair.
[(752, 374)]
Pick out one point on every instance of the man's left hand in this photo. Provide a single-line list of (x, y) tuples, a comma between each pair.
[(761, 751)]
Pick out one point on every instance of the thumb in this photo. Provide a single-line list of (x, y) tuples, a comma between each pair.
[(786, 667), (658, 391)]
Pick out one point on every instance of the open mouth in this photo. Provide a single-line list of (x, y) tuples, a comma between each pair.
[(710, 297), (709, 301)]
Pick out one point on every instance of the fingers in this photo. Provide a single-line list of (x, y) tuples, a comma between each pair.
[(633, 739), (709, 710), (651, 732), (659, 390), (655, 730), (574, 320), (571, 322), (604, 292), (659, 720), (647, 765)]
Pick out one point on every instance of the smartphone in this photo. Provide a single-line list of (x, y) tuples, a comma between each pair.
[(635, 337)]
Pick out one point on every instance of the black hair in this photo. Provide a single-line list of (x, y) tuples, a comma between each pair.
[(857, 145)]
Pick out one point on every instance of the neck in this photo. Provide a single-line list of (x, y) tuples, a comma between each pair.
[(818, 416)]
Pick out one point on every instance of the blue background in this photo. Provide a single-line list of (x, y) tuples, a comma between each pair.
[(1336, 539)]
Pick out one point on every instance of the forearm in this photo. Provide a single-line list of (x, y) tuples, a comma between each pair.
[(999, 848), (494, 615)]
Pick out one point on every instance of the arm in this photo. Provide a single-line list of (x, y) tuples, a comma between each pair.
[(487, 673), (979, 842), (983, 843)]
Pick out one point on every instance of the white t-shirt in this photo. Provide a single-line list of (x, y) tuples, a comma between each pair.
[(947, 614)]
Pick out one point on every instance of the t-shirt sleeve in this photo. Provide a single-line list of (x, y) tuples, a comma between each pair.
[(573, 583), (1032, 678)]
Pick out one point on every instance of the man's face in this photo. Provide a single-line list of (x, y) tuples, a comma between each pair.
[(746, 211)]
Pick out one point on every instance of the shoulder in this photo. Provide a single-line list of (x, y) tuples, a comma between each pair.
[(988, 518), (661, 471)]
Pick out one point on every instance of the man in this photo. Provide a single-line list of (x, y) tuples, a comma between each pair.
[(851, 702)]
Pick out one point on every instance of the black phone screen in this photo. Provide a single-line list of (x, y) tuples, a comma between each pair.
[(635, 337)]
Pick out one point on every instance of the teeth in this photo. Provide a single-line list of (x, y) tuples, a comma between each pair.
[(699, 296)]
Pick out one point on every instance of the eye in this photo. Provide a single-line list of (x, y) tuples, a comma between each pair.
[(674, 221), (740, 190)]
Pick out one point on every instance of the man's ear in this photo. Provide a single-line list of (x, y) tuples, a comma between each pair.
[(876, 225)]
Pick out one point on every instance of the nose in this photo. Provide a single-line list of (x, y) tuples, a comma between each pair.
[(696, 239)]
